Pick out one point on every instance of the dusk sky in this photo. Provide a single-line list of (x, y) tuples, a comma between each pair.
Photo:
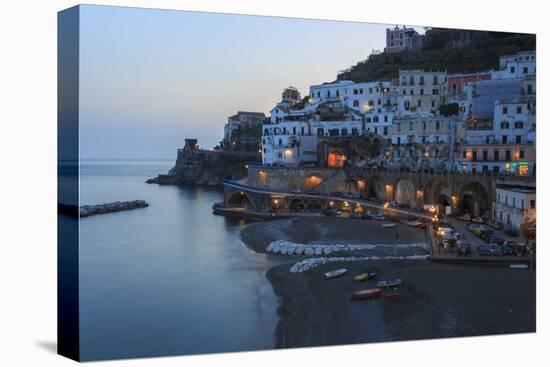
[(151, 78)]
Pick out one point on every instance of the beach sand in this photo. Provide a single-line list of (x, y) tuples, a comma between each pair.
[(435, 300)]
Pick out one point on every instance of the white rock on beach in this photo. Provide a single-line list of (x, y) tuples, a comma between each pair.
[(309, 251)]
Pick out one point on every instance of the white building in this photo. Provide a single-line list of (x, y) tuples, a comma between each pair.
[(519, 65), (372, 97), (514, 207), (421, 93)]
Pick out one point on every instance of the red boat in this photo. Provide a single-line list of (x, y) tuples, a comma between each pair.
[(367, 293)]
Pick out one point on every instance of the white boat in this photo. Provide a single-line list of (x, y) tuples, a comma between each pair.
[(519, 266), (414, 223), (388, 283), (335, 273), (388, 225)]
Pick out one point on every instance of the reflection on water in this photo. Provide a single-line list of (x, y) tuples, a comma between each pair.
[(169, 279)]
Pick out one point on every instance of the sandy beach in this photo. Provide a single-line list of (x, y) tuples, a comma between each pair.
[(435, 300)]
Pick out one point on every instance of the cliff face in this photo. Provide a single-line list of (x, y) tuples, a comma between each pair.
[(206, 167)]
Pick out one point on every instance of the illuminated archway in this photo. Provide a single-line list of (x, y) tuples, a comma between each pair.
[(240, 199), (336, 159)]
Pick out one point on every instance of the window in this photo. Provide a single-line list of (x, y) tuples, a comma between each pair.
[(368, 120), (411, 126), (411, 80), (302, 130), (474, 155), (280, 142), (355, 91), (421, 80), (320, 132), (454, 88), (376, 130), (419, 103), (529, 89), (518, 109), (522, 154), (435, 92), (344, 132), (504, 125), (375, 119), (504, 139), (485, 155), (512, 69), (355, 103), (379, 102), (284, 130), (522, 203), (518, 139), (337, 93), (385, 130), (464, 154), (433, 103), (385, 118), (266, 132), (422, 92), (360, 90), (504, 110), (532, 204), (435, 80), (423, 125), (508, 155), (525, 70), (354, 131), (398, 142), (280, 155), (411, 92), (294, 130)]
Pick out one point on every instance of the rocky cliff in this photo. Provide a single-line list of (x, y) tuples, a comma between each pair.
[(206, 167)]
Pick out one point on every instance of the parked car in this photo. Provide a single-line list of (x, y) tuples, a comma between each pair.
[(354, 216), (495, 225), (477, 220), (465, 217), (511, 232), (495, 239), (495, 249), (367, 216), (463, 249), (483, 250), (507, 250), (378, 217), (446, 223)]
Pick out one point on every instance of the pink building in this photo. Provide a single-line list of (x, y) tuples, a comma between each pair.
[(457, 82), (400, 39)]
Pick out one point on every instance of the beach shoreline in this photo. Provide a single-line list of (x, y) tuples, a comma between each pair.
[(436, 300)]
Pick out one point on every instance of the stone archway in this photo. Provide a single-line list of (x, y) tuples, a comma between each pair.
[(375, 187), (296, 205), (336, 159), (240, 199), (404, 191), (474, 199), (437, 191), (314, 206)]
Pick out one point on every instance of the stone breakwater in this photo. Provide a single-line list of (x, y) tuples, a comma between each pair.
[(117, 206), (311, 263), (284, 247)]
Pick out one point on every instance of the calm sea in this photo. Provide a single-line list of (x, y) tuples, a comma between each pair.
[(168, 279)]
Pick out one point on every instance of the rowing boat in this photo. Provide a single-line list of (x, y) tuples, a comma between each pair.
[(389, 283), (367, 293), (335, 273)]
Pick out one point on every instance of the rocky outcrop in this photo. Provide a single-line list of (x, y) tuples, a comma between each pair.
[(206, 167), (117, 206)]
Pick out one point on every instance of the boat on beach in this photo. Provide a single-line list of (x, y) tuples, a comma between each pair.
[(365, 276), (367, 293), (335, 273), (388, 225), (389, 283)]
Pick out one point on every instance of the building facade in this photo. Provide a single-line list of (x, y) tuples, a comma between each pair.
[(514, 207)]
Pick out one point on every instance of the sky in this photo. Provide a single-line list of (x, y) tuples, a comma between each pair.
[(151, 78)]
